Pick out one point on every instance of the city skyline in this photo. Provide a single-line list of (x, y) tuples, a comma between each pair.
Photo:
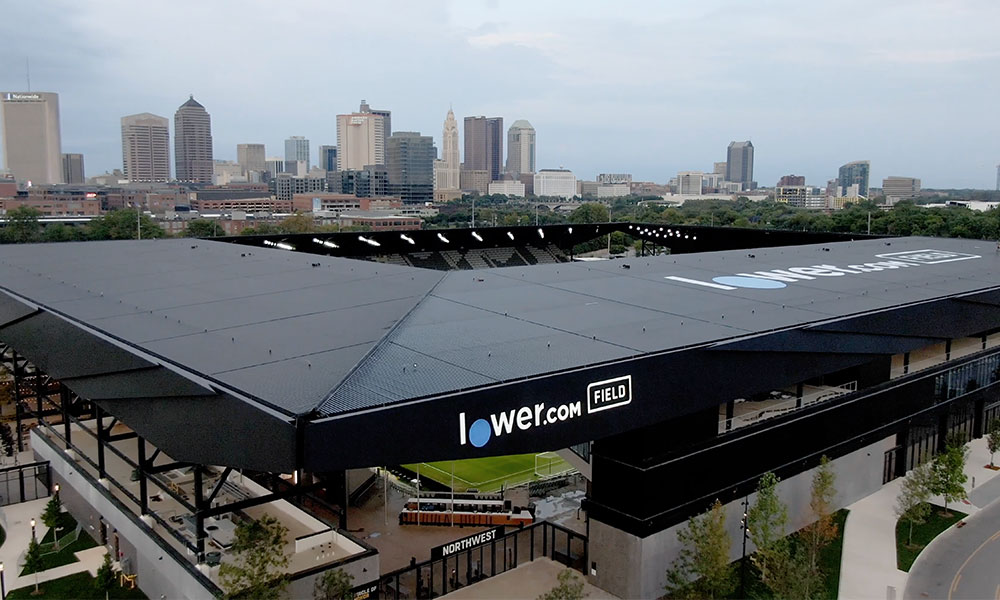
[(911, 107)]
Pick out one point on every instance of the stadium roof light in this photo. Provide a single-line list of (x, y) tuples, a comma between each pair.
[(510, 235), (541, 233), (325, 243), (407, 238), (281, 245), (571, 230), (443, 239), (368, 241)]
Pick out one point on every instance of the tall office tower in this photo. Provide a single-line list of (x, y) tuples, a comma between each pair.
[(296, 152), (520, 148), (32, 148), (789, 180), (359, 141), (410, 161), (854, 174), (251, 157), (328, 158), (449, 175), (146, 147), (739, 164), (998, 178), (274, 165), (386, 119), (484, 145), (900, 188), (73, 168), (193, 143), (719, 168), (689, 183)]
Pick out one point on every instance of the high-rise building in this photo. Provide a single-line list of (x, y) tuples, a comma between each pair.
[(328, 158), (520, 148), (555, 182), (854, 174), (791, 180), (719, 168), (274, 165), (359, 141), (448, 174), (739, 164), (73, 168), (32, 147), (371, 182), (998, 178), (193, 143), (146, 147), (296, 152), (689, 183), (410, 161), (386, 119), (251, 157), (484, 145), (900, 188)]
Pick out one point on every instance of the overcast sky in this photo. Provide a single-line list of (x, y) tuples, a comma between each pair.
[(649, 88)]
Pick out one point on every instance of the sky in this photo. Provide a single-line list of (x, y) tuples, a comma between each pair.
[(648, 88)]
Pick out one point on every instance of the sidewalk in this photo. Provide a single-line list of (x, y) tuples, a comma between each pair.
[(18, 529), (868, 563)]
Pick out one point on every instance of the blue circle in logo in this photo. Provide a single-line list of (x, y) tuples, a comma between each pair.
[(749, 282), (479, 433)]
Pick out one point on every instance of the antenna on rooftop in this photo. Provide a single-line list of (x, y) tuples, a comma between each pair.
[(27, 71)]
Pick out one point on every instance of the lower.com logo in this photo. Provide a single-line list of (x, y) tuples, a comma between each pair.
[(524, 418)]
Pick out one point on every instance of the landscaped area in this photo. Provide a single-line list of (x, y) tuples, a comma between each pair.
[(69, 544), (923, 533), (78, 585), (493, 473)]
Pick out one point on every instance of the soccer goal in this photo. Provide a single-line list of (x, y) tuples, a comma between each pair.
[(550, 463)]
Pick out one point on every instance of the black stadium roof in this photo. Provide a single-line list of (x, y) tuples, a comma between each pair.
[(144, 325)]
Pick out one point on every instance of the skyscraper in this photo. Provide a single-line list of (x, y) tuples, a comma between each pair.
[(410, 160), (900, 188), (328, 158), (359, 141), (739, 164), (193, 143), (251, 157), (484, 145), (32, 147), (386, 119), (296, 152), (73, 168), (146, 147), (448, 176), (520, 148), (854, 174)]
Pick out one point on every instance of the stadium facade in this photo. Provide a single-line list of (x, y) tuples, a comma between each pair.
[(677, 379)]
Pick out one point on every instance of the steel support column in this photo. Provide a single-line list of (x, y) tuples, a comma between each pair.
[(143, 490), (99, 413), (199, 513), (17, 401), (64, 404)]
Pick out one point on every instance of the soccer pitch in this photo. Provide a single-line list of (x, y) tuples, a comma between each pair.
[(494, 473)]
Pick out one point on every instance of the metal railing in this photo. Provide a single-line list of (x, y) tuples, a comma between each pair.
[(21, 483)]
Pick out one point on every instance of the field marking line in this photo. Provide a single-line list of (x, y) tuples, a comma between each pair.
[(446, 473)]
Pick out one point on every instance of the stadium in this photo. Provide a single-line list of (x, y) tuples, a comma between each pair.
[(174, 386)]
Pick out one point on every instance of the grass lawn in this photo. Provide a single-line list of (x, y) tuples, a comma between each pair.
[(922, 535), (65, 554), (490, 474), (78, 585)]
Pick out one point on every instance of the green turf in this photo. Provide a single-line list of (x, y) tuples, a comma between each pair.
[(66, 553), (922, 535), (78, 585), (489, 474)]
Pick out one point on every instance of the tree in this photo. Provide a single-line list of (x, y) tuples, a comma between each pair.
[(570, 587), (766, 520), (52, 515), (993, 438), (105, 579), (259, 560), (202, 228), (33, 562), (818, 534), (297, 223), (912, 502), (60, 232), (949, 471), (22, 225), (589, 213), (122, 225), (702, 568), (334, 584)]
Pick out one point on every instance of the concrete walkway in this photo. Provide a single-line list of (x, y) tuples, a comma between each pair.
[(868, 563), (17, 524), (528, 581)]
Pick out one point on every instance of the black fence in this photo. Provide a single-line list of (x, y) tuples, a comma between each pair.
[(434, 578), (21, 483)]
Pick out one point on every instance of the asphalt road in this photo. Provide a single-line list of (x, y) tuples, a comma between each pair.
[(961, 564)]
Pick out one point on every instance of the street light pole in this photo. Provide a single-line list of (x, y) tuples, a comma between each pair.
[(32, 529), (743, 559), (3, 586)]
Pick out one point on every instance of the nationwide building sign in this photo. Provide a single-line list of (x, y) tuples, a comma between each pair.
[(466, 543), (18, 97)]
